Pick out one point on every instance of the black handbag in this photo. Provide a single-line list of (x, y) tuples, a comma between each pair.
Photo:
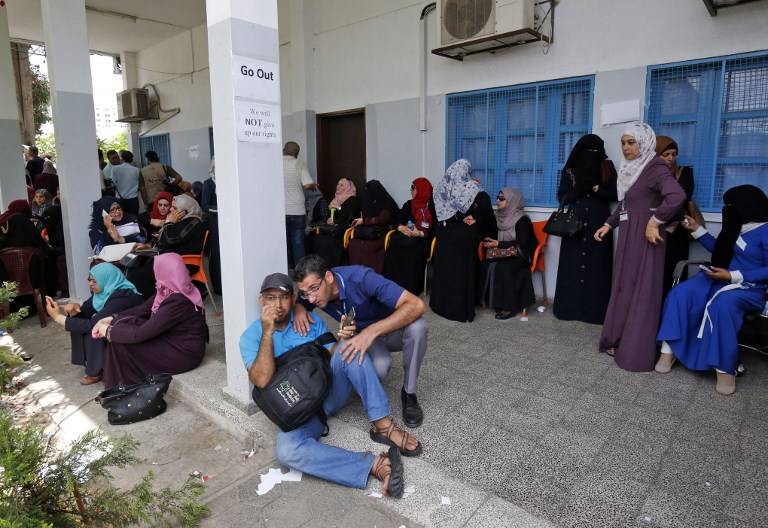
[(331, 230), (370, 232), (563, 222), (128, 404), (297, 390)]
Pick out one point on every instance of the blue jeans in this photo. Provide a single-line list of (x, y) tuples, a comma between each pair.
[(294, 236), (300, 448)]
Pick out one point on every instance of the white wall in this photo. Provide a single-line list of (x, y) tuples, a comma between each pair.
[(366, 51), (178, 67)]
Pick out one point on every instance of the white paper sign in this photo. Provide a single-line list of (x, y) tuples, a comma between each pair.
[(621, 112), (256, 79), (257, 123), (193, 152)]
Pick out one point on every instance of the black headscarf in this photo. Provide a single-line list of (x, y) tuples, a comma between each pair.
[(376, 199), (585, 161), (104, 204), (741, 205)]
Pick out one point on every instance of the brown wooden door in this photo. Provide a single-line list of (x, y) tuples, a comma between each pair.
[(340, 150)]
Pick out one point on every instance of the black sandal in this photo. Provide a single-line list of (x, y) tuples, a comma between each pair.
[(382, 436), (396, 485)]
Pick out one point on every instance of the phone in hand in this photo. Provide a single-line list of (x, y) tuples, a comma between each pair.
[(706, 268), (350, 319)]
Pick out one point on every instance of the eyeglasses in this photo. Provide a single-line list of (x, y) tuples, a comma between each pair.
[(277, 298), (413, 186), (311, 291)]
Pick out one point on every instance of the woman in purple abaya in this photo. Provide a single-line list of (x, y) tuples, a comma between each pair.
[(648, 196)]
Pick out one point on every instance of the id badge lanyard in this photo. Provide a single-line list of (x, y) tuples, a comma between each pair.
[(342, 288)]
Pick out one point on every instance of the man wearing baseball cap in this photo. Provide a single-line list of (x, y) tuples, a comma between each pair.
[(272, 336)]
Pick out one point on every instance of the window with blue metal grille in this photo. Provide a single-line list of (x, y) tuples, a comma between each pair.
[(520, 136), (160, 143), (717, 112)]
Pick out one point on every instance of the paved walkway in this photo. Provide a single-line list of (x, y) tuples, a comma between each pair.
[(526, 425)]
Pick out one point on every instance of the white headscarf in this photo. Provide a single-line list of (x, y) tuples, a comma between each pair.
[(456, 191), (630, 170)]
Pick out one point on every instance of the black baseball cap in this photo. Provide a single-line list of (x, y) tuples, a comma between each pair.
[(277, 281)]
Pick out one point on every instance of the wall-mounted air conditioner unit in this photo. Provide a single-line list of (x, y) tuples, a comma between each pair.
[(473, 26), (134, 106)]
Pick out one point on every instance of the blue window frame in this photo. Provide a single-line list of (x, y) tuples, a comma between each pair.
[(520, 136), (717, 111), (160, 143)]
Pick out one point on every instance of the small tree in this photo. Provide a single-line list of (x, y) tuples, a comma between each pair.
[(40, 486), (41, 97), (10, 321)]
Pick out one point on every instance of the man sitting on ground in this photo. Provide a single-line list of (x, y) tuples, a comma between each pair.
[(388, 317), (274, 335)]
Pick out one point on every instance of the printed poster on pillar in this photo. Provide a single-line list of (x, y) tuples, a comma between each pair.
[(257, 121)]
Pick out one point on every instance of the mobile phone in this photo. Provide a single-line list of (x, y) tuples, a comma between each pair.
[(350, 320), (706, 268), (104, 213)]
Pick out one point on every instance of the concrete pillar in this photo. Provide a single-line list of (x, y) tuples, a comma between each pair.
[(245, 100), (23, 77), (74, 123), (131, 80), (12, 183)]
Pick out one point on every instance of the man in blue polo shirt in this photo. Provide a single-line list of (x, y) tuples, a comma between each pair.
[(388, 319), (272, 336)]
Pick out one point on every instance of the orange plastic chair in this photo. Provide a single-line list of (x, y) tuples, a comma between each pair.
[(17, 262), (349, 234), (387, 237), (538, 256), (200, 276)]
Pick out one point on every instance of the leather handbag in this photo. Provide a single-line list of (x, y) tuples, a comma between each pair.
[(498, 253), (370, 232), (128, 404), (563, 222)]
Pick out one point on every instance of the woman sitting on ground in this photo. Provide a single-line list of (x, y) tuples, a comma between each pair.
[(167, 333), (703, 315), (328, 240), (110, 293), (406, 257), (379, 210), (107, 217), (508, 283), (154, 220)]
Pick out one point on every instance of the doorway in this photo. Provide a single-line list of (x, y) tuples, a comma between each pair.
[(340, 150)]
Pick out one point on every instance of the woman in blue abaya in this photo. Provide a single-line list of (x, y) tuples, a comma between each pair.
[(703, 315)]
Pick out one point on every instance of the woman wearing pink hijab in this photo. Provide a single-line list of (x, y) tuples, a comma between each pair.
[(328, 240), (167, 333)]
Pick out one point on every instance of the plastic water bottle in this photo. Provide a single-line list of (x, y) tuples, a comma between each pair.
[(410, 225)]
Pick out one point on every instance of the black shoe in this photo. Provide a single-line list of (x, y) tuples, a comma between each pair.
[(412, 413)]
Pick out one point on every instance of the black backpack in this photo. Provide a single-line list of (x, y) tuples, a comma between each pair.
[(299, 386)]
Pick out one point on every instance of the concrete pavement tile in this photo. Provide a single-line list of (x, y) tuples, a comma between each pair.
[(541, 407), (589, 423), (498, 513), (539, 496), (713, 417), (593, 403), (748, 506), (603, 500), (655, 401), (697, 474), (664, 510)]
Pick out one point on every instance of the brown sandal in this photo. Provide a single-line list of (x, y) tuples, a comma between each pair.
[(384, 436), (396, 484)]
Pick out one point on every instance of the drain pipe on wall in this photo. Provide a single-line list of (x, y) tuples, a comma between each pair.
[(423, 85)]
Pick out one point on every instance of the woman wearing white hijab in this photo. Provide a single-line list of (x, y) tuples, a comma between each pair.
[(649, 196)]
